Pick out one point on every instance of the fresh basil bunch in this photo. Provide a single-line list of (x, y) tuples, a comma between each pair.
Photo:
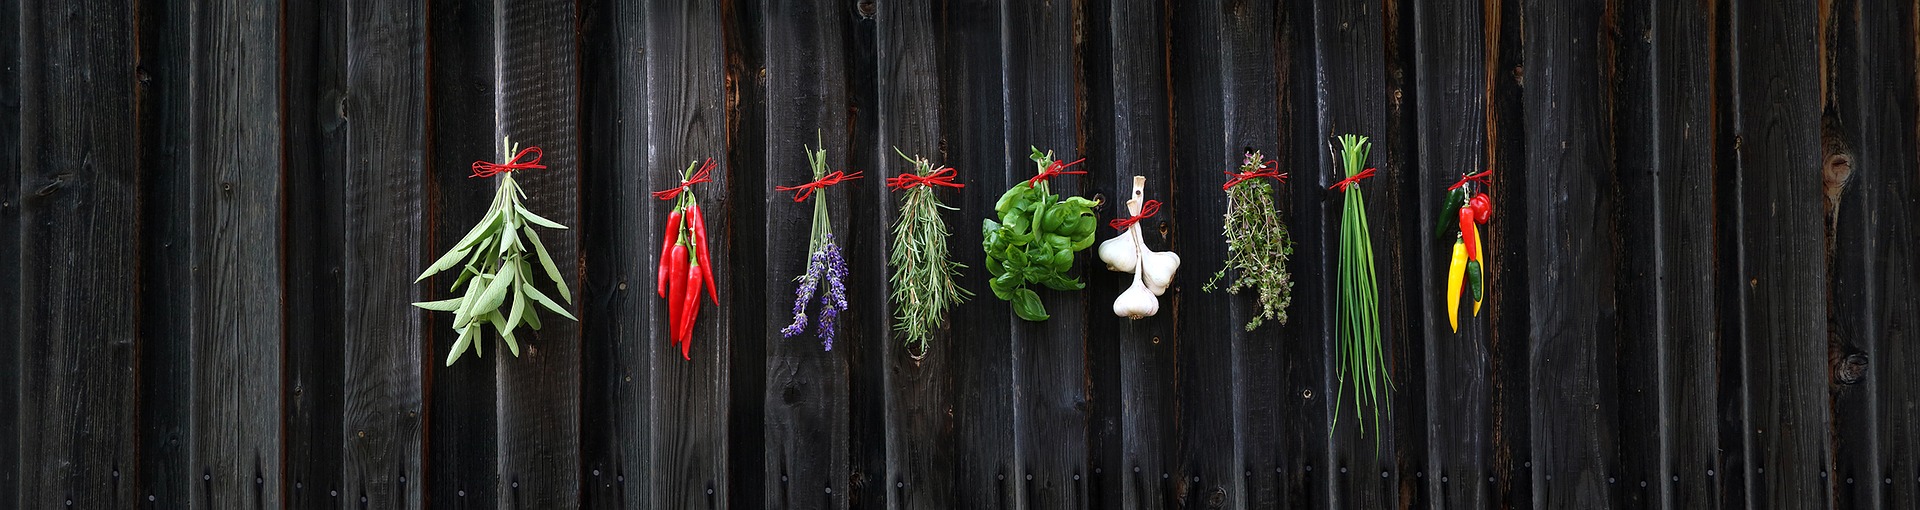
[(1034, 241)]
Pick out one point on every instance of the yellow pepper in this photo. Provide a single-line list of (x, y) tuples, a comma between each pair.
[(1456, 270), (1478, 250)]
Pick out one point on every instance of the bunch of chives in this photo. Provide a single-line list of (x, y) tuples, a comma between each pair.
[(1362, 363)]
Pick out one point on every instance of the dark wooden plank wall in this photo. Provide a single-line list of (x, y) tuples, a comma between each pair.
[(212, 254)]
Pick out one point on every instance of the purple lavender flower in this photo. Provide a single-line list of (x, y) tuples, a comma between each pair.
[(816, 267), (834, 300)]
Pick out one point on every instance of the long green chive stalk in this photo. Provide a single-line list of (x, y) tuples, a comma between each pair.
[(923, 275), (1362, 363)]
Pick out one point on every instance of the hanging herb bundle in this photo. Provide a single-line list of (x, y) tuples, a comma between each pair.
[(1127, 253), (498, 264), (1257, 242), (1466, 271), (1035, 238), (684, 261), (825, 266), (1361, 361), (923, 275)]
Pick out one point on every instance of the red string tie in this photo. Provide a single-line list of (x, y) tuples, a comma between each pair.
[(490, 169), (806, 190), (940, 177), (1054, 170), (1147, 209), (699, 176), (1237, 178), (1342, 185), (1481, 177)]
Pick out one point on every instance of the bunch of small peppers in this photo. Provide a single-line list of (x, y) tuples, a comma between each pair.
[(685, 264), (1466, 270)]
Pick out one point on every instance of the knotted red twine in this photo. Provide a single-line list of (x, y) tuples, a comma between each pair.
[(940, 177), (1237, 178), (1147, 209), (699, 176), (490, 169), (1479, 177), (1054, 170), (806, 190), (1342, 185)]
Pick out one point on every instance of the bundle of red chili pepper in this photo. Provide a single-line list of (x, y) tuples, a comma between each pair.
[(684, 261), (1466, 271)]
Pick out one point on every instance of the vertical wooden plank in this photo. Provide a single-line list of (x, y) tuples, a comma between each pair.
[(920, 450), (1873, 225), (982, 375), (1350, 66), (236, 433), (746, 127), (462, 436), (1451, 74), (317, 168), (1306, 390), (1162, 444), (166, 276), (1667, 305), (1776, 129), (383, 243), (1250, 104), (806, 388), (1042, 91), (867, 334), (619, 239), (539, 396), (78, 184), (11, 340), (690, 399), (1400, 223), (1508, 318), (1567, 230)]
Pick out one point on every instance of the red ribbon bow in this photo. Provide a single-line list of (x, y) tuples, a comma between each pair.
[(1237, 178), (1054, 170), (1146, 209), (490, 169), (940, 177), (1342, 185), (699, 176), (1480, 177), (806, 190)]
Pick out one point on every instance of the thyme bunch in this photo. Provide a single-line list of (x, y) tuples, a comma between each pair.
[(1257, 242), (924, 277)]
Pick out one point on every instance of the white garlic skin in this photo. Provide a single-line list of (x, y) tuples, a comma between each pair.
[(1157, 268), (1137, 302), (1119, 253)]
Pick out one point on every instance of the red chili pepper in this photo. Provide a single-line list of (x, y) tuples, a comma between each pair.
[(1466, 232), (688, 313), (699, 223), (677, 277), (1482, 208), (673, 236)]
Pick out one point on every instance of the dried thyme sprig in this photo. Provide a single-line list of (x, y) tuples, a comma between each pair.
[(1257, 242), (924, 285)]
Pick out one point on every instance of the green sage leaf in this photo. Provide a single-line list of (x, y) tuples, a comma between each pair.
[(546, 262), (547, 302), (536, 219), (444, 305)]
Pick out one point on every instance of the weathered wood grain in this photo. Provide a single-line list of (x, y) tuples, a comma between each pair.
[(236, 203), (1567, 221), (1777, 196), (970, 39), (689, 462), (76, 208), (1873, 254), (746, 113), (806, 385), (1451, 75), (462, 451), (11, 341), (1508, 317), (317, 168), (1307, 394), (868, 332), (920, 444), (166, 249), (620, 238), (1667, 305)]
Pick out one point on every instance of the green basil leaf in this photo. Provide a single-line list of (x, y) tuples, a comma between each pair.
[(1062, 282), (1026, 304), (444, 305), (1012, 198)]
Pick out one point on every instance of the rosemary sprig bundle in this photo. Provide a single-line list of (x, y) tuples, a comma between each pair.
[(1257, 242), (499, 264), (924, 285), (1361, 361)]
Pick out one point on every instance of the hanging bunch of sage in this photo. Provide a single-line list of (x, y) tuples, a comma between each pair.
[(924, 284), (1361, 361), (1257, 242), (496, 263)]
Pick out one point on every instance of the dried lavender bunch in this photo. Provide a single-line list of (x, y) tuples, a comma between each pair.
[(825, 265), (1257, 242)]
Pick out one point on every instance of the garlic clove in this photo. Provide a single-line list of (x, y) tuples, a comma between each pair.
[(1119, 254), (1137, 302), (1157, 269)]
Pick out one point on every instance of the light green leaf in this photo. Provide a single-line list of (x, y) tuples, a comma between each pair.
[(444, 305), (496, 290), (547, 302), (446, 261), (533, 315), (486, 226), (536, 219), (500, 325), (509, 240), (460, 345), (513, 346), (464, 315), (546, 262), (518, 307)]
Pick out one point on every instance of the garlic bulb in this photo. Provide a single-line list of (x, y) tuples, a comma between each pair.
[(1152, 270), (1137, 301), (1119, 253)]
